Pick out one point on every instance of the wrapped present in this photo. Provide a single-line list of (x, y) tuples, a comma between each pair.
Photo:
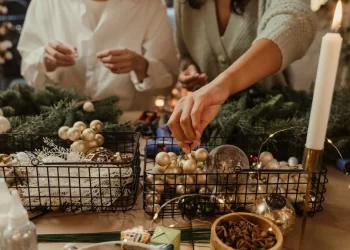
[(136, 234), (161, 246), (166, 235)]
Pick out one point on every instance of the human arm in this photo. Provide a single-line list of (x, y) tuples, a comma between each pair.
[(271, 52)]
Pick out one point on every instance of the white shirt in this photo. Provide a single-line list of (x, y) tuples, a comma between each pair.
[(95, 8), (139, 25)]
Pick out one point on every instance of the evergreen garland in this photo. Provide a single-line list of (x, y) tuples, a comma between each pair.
[(252, 115), (39, 112)]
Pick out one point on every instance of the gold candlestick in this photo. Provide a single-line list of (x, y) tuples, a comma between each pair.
[(311, 162)]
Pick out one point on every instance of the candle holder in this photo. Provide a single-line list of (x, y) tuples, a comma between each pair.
[(312, 161)]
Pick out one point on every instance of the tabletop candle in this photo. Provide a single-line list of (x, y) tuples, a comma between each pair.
[(324, 85)]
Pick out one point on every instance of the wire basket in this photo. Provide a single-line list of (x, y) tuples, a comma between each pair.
[(217, 193), (46, 184)]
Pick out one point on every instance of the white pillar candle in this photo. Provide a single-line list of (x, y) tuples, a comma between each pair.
[(324, 85)]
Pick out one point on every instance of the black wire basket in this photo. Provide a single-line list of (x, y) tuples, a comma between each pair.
[(47, 184), (217, 193)]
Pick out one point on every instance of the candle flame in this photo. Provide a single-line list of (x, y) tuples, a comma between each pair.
[(337, 16)]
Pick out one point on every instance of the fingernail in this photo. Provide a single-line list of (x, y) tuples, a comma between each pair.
[(197, 143), (187, 142)]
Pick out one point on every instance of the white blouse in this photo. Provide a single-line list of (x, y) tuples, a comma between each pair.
[(139, 25)]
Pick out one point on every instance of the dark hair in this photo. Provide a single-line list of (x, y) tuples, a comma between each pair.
[(237, 6)]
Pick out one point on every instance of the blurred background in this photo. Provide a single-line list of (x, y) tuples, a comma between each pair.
[(12, 15)]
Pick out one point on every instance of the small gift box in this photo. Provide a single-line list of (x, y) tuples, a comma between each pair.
[(167, 236), (136, 234)]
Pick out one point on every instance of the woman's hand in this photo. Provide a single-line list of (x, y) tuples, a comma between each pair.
[(122, 61), (58, 55), (190, 78), (194, 112)]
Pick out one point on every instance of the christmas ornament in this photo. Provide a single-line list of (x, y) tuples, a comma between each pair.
[(171, 182), (204, 191), (247, 194), (99, 155), (150, 179), (88, 135), (5, 159), (208, 209), (159, 186), (188, 206), (173, 156), (152, 208), (88, 107), (170, 170), (180, 189), (62, 132), (201, 178), (277, 209), (272, 165), (79, 146), (96, 125), (294, 197), (5, 125), (283, 164), (153, 197), (160, 169), (93, 144), (99, 139), (81, 126), (73, 134), (163, 159), (301, 185), (181, 163), (289, 184), (201, 155), (226, 160), (189, 166), (293, 161), (253, 160), (265, 157), (274, 181)]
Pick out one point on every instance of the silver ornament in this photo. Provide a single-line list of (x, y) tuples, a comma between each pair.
[(159, 186), (163, 159), (293, 161), (73, 134), (150, 179), (96, 125), (272, 164), (180, 189), (79, 146), (277, 209), (201, 154), (62, 132), (100, 139), (152, 208), (88, 135), (80, 125), (265, 157)]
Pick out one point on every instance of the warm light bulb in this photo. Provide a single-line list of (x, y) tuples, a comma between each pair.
[(338, 14), (159, 102), (175, 91)]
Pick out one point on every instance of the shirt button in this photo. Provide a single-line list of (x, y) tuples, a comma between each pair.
[(221, 59)]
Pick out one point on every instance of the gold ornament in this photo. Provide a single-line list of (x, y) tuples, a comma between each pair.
[(289, 184), (173, 156), (93, 144), (99, 155), (79, 146), (201, 178), (88, 135), (73, 134), (159, 186), (62, 132), (189, 167), (173, 182), (81, 126), (272, 164), (96, 125), (5, 125), (100, 139), (152, 208), (294, 197), (153, 197), (301, 186), (163, 159), (201, 154), (265, 157), (170, 170), (161, 169), (150, 179), (180, 189), (277, 209), (88, 107), (181, 163)]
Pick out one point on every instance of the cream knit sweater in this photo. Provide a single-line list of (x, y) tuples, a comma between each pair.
[(288, 23)]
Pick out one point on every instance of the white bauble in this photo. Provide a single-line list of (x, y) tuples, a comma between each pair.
[(265, 157), (289, 184), (88, 107), (163, 159), (301, 185), (73, 134), (88, 135), (272, 165), (293, 196), (293, 161), (79, 146), (96, 125), (80, 125), (100, 139), (62, 132), (5, 125)]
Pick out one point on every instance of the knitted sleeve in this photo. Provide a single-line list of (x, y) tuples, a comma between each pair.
[(290, 24)]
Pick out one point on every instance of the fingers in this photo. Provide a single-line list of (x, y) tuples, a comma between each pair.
[(196, 114), (174, 123), (57, 62), (116, 58), (62, 48), (185, 121), (58, 56), (185, 147), (122, 70), (112, 52)]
